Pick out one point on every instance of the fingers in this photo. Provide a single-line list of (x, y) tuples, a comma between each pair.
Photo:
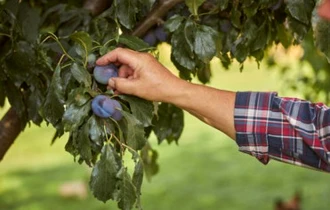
[(120, 55), (125, 71), (125, 86)]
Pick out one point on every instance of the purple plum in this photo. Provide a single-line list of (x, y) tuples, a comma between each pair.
[(102, 74), (105, 107)]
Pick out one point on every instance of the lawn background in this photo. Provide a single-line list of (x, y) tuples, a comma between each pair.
[(205, 171)]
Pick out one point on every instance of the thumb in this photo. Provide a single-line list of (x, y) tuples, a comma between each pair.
[(122, 85)]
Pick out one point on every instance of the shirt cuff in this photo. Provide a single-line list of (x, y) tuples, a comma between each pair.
[(250, 117)]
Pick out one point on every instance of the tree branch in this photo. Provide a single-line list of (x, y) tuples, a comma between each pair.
[(10, 128), (96, 7), (158, 11)]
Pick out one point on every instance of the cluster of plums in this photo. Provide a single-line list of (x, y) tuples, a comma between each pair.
[(155, 36), (102, 105)]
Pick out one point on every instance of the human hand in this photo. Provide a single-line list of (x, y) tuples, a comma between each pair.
[(140, 74)]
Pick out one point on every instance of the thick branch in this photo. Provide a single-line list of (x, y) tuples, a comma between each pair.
[(154, 16), (10, 128), (96, 7)]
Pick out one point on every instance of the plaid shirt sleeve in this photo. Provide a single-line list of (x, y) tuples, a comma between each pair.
[(286, 129)]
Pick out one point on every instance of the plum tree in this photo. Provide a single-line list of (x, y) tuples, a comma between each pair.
[(102, 74), (105, 107), (48, 50)]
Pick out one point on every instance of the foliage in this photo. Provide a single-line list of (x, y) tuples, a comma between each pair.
[(49, 50)]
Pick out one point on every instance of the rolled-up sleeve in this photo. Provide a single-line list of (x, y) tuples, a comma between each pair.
[(290, 130)]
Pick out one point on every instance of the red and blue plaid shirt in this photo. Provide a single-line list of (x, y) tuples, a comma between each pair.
[(286, 129)]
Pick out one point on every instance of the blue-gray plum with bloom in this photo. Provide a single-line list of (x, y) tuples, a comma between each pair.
[(102, 74), (103, 106)]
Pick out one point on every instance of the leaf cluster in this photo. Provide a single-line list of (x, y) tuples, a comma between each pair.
[(46, 73)]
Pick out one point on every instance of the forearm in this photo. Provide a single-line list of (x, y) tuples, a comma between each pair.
[(212, 106)]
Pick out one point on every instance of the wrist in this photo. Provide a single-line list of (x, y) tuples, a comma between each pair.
[(179, 93)]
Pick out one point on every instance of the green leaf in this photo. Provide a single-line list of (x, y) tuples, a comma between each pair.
[(71, 146), (77, 109), (204, 73), (126, 11), (84, 144), (149, 157), (137, 181), (283, 35), (301, 10), (193, 5), (205, 42), (16, 100), (79, 96), (260, 42), (53, 107), (104, 175), (249, 32), (75, 115), (34, 102), (141, 109), (299, 29), (83, 39), (225, 60), (236, 18), (182, 46), (135, 132), (189, 32), (81, 75), (316, 60), (174, 23), (134, 43), (127, 192), (21, 62), (29, 20), (169, 124), (96, 130), (251, 10), (322, 36), (239, 50)]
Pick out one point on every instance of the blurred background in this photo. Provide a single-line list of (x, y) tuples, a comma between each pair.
[(204, 171)]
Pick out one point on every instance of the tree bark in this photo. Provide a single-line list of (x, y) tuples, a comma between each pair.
[(158, 11), (10, 128)]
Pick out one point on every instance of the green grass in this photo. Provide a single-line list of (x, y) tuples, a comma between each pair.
[(205, 171)]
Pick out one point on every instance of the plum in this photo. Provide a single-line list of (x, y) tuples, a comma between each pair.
[(160, 34), (117, 114), (105, 107), (102, 74), (150, 38)]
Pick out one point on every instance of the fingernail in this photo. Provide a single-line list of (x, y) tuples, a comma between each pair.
[(112, 83)]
